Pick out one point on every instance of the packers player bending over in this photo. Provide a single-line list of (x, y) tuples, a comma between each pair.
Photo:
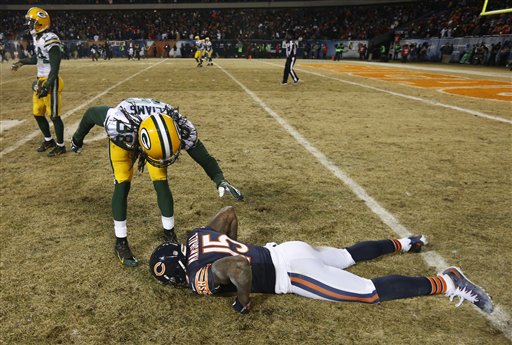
[(153, 132), (46, 98)]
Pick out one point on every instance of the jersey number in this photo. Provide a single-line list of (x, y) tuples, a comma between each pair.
[(41, 56), (223, 245)]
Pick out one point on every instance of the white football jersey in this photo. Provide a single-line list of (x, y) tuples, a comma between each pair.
[(42, 47), (121, 122), (208, 45)]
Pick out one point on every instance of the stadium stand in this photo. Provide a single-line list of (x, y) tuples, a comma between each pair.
[(257, 28)]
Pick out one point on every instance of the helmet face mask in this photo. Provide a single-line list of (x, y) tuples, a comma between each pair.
[(38, 20), (167, 264), (159, 140)]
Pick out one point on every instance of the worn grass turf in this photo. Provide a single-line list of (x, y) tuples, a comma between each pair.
[(440, 172)]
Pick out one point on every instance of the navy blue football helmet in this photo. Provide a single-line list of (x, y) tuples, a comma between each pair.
[(168, 264)]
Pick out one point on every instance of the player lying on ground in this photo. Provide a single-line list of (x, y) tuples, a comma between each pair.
[(157, 132), (212, 261)]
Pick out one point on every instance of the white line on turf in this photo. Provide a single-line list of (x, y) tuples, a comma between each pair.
[(500, 318), (62, 69), (33, 134), (427, 101)]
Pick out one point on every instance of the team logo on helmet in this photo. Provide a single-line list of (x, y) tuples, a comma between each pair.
[(159, 269), (145, 139), (42, 14)]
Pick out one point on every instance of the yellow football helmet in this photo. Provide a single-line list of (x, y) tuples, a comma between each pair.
[(38, 20), (207, 39), (160, 140), (196, 38)]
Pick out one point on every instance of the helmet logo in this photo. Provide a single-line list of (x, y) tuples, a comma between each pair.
[(144, 138), (41, 14), (159, 269)]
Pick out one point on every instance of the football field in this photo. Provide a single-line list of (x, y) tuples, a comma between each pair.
[(356, 151)]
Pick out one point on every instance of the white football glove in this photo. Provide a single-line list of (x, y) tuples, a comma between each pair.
[(226, 186)]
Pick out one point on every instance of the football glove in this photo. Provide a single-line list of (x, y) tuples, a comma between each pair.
[(240, 308), (226, 186), (16, 65), (42, 91), (75, 147)]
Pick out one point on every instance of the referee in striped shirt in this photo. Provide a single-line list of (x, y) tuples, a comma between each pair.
[(291, 52)]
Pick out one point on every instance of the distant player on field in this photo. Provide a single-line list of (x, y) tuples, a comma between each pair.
[(46, 98), (157, 132), (198, 55), (213, 261), (208, 51)]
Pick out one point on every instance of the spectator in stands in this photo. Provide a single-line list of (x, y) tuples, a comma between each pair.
[(405, 52)]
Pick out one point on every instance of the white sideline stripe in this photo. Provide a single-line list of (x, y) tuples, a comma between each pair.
[(500, 319), (32, 135), (435, 103)]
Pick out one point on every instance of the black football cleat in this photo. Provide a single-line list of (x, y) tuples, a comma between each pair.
[(45, 145), (57, 151), (417, 242), (170, 236), (466, 290), (124, 254)]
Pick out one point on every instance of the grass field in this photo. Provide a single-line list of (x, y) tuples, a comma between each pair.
[(356, 151)]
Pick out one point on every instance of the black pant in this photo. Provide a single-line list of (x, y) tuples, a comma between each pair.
[(288, 69)]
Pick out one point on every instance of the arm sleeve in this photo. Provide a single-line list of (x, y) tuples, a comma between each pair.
[(29, 61), (207, 162), (54, 64), (93, 116)]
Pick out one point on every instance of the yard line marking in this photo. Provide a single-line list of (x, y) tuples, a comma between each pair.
[(499, 318), (32, 135), (435, 103), (7, 124), (62, 69)]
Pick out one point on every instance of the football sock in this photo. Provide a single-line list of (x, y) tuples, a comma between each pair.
[(164, 198), (396, 287), (59, 129), (403, 244), (368, 250), (168, 223), (120, 229), (120, 200), (44, 126)]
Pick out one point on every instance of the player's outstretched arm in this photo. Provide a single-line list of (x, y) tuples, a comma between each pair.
[(235, 270), (28, 61), (94, 116)]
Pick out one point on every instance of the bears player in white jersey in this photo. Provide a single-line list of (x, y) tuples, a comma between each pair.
[(213, 261), (156, 131), (47, 89)]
